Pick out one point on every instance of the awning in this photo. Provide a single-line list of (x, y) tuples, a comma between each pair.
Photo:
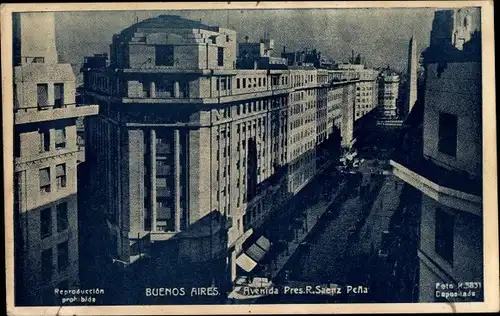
[(245, 262), (264, 243), (255, 252)]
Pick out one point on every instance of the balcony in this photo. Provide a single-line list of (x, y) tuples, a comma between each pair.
[(453, 179), (450, 188), (52, 112)]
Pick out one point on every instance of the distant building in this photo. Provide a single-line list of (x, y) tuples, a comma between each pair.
[(45, 163), (258, 55), (306, 57), (442, 158), (453, 27), (388, 94), (366, 89), (202, 144)]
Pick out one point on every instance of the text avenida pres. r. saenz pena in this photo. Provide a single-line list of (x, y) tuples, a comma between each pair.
[(255, 291)]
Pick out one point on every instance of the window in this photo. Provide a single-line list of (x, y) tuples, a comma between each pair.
[(62, 217), (58, 95), (161, 182), (447, 134), (223, 83), (44, 175), (244, 83), (237, 83), (61, 175), (60, 138), (164, 89), (42, 91), (444, 235), (164, 55), (62, 256), (44, 140), (47, 264), (220, 56), (45, 222)]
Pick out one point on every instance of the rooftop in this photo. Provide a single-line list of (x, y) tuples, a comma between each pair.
[(168, 21)]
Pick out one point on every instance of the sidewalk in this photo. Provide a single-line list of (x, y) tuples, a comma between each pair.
[(314, 214), (384, 207)]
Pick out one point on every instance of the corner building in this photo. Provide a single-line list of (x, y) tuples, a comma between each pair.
[(442, 158), (186, 146), (45, 163)]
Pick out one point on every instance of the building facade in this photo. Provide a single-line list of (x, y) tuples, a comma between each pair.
[(388, 94), (198, 141), (444, 162), (366, 89), (45, 160)]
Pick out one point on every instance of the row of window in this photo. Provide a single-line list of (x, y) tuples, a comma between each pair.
[(99, 82), (253, 82), (303, 134), (303, 148), (252, 214), (45, 181), (369, 101), (363, 94), (364, 106), (335, 96), (59, 138), (303, 161), (165, 55), (256, 106), (301, 80), (302, 121), (42, 91)]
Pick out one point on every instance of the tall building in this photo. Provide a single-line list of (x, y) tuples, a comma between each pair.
[(454, 27), (188, 148), (388, 94), (366, 89), (411, 80), (442, 158), (45, 160)]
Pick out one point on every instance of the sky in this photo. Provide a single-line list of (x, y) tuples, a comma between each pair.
[(380, 35)]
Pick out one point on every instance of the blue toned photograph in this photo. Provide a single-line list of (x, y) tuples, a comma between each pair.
[(248, 156)]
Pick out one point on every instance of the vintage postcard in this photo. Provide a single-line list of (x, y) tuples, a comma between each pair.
[(258, 157)]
